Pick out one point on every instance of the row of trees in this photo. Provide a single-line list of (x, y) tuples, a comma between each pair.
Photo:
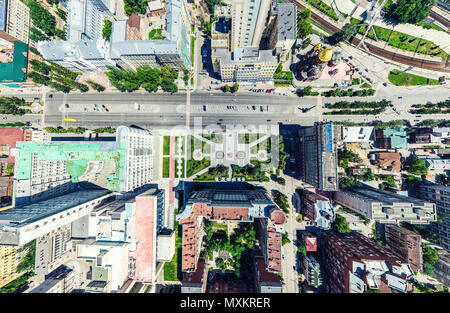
[(131, 6), (410, 11), (348, 92), (10, 105), (282, 201), (232, 89), (304, 27), (359, 104), (145, 76)]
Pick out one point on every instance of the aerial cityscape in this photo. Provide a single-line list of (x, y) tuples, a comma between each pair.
[(224, 147)]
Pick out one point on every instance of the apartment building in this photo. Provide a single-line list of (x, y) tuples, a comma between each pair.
[(406, 244), (49, 169), (318, 164), (442, 269), (10, 257), (318, 209), (356, 264), (386, 207), (440, 195), (87, 50), (14, 23), (312, 272)]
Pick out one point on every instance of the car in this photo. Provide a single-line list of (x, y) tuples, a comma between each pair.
[(85, 109), (103, 106), (350, 57), (107, 110), (293, 267), (400, 97), (67, 105), (253, 107), (269, 120), (204, 108), (385, 84), (261, 108), (50, 96)]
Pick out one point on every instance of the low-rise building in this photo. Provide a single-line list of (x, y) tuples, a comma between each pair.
[(195, 282), (61, 280), (357, 134), (309, 241), (406, 244), (386, 207), (436, 163), (389, 161), (312, 272), (391, 138), (421, 136), (318, 209)]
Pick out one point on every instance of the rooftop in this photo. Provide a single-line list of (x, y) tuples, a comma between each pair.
[(15, 71)]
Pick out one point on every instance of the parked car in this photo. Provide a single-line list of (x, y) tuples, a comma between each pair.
[(67, 105)]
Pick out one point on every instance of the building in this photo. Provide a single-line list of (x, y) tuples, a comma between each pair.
[(86, 49), (14, 23), (440, 195), (357, 264), (8, 138), (357, 134), (248, 22), (391, 138), (386, 207), (195, 282), (265, 281), (309, 241), (318, 164), (245, 205), (10, 258), (441, 135), (442, 269), (319, 61), (389, 161), (44, 170), (52, 250), (23, 224), (406, 244), (281, 31), (436, 163), (421, 136), (61, 280), (248, 64), (312, 272), (318, 209), (15, 69)]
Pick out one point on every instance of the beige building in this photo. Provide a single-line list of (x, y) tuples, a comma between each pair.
[(10, 257), (14, 23)]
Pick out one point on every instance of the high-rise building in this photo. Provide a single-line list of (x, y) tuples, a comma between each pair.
[(386, 207), (406, 244), (10, 257), (44, 170), (23, 224), (248, 22), (440, 195), (14, 23), (318, 156), (356, 264), (52, 250)]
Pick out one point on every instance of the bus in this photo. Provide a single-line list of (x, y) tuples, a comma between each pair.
[(70, 120)]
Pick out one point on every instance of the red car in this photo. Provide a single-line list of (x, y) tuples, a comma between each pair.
[(106, 109)]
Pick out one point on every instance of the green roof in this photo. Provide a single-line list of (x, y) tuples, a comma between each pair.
[(399, 138), (16, 70)]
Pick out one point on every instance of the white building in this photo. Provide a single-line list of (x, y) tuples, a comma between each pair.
[(357, 134), (436, 163)]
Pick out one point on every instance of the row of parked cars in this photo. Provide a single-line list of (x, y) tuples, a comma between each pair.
[(262, 90)]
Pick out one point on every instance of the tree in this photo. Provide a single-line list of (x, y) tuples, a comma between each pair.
[(285, 239), (107, 29), (281, 181), (299, 218), (40, 66), (38, 78), (226, 88), (346, 32), (410, 11), (95, 86), (168, 85), (235, 88), (415, 166), (340, 224), (42, 18), (304, 28), (169, 72), (302, 250)]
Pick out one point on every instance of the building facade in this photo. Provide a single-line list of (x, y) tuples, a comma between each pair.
[(440, 195), (386, 207), (61, 280), (312, 272), (319, 156), (406, 244), (442, 269), (14, 23)]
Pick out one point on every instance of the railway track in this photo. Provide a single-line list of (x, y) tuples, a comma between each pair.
[(443, 66)]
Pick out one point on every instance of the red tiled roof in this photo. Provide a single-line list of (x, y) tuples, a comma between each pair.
[(278, 217), (273, 250), (220, 213), (9, 136)]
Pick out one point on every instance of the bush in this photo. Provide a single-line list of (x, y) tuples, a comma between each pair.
[(341, 225), (95, 86), (107, 29)]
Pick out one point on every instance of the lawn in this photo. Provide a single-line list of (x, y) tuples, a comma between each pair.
[(166, 145), (245, 138), (166, 167), (260, 146), (218, 226), (216, 138), (209, 177), (155, 34), (172, 269), (402, 41), (192, 51), (194, 166), (324, 8), (398, 78)]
